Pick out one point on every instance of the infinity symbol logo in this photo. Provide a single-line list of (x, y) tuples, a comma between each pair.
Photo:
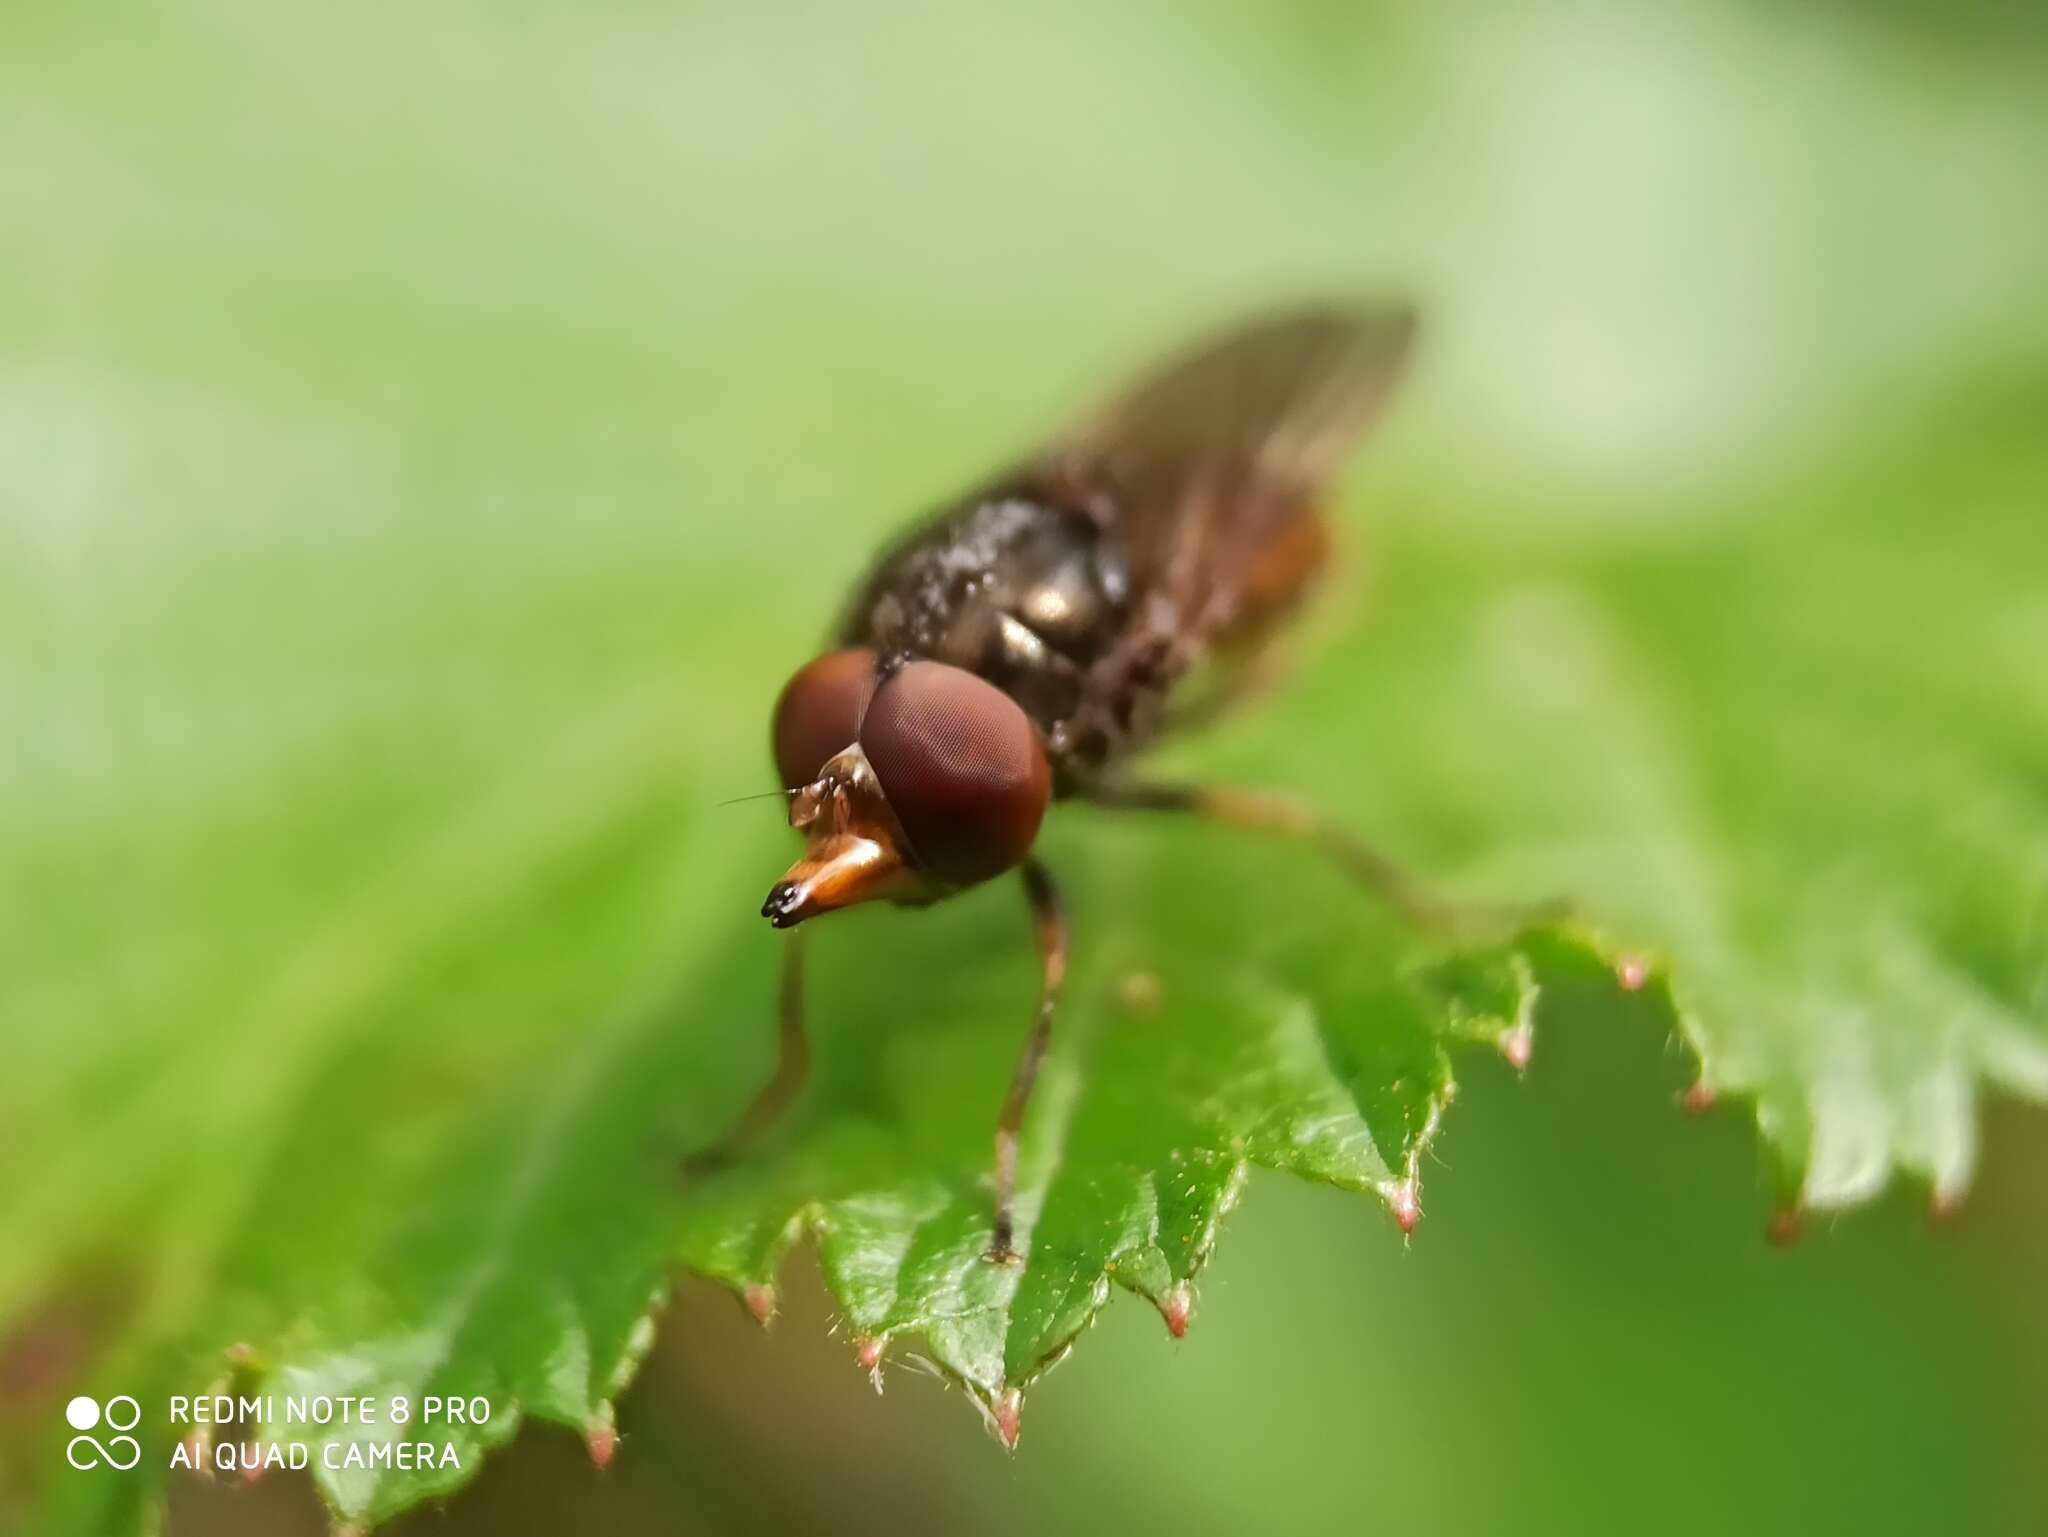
[(87, 1451)]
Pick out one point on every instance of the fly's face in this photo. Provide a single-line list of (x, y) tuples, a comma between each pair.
[(908, 783)]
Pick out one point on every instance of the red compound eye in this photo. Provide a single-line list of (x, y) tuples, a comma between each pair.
[(819, 713), (962, 767)]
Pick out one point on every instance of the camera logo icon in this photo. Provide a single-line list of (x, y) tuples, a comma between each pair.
[(117, 1451)]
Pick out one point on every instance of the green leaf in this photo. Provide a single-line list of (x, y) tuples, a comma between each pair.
[(435, 1150), (1199, 1038)]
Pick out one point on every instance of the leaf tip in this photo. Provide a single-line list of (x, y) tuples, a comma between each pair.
[(1632, 972), (1175, 1304), (1700, 1098), (760, 1302), (1518, 1045), (869, 1351), (1405, 1201), (1787, 1225), (1006, 1412), (601, 1437), (1945, 1205)]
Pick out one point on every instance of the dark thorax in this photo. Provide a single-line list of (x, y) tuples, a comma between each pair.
[(1033, 597)]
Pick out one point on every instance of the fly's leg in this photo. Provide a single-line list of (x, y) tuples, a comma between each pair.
[(1291, 817), (792, 1067), (1049, 920)]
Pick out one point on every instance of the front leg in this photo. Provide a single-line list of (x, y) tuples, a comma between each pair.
[(792, 1066), (1049, 919)]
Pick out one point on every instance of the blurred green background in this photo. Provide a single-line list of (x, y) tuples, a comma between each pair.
[(483, 359)]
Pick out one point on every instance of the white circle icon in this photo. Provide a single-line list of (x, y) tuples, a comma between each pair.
[(121, 1413)]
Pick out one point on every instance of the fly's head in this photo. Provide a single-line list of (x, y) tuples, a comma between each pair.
[(907, 784)]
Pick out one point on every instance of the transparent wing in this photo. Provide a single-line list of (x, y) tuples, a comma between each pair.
[(1205, 476), (1211, 463)]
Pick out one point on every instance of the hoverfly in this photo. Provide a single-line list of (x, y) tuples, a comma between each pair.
[(1019, 647)]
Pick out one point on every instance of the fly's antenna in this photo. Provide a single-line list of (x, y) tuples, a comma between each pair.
[(741, 800)]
